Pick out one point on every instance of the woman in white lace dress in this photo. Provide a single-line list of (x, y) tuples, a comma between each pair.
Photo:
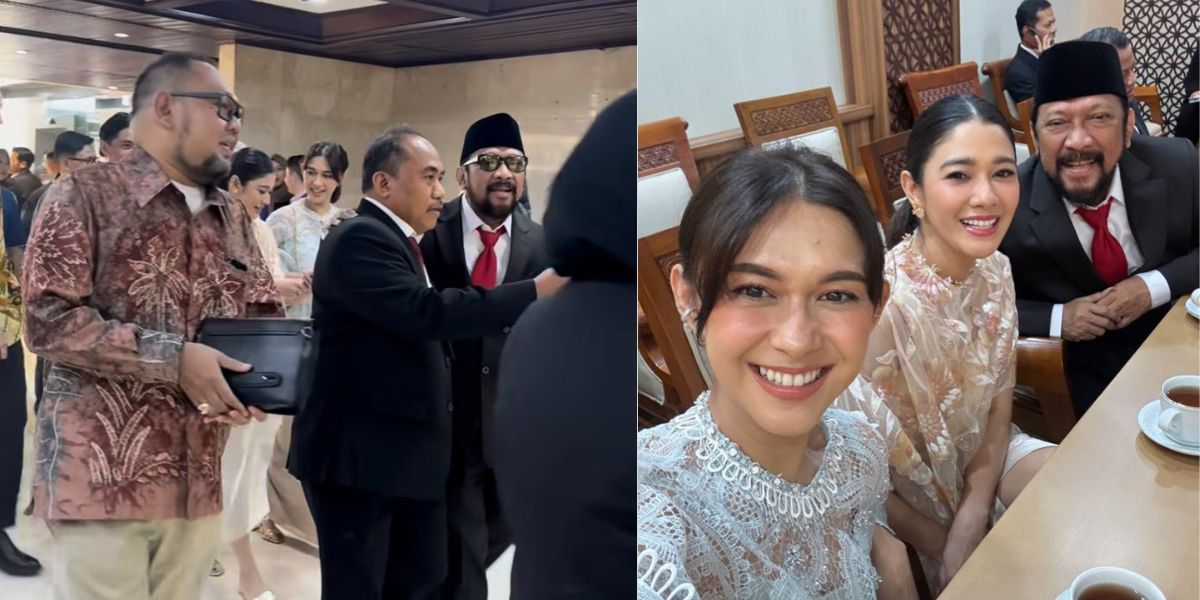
[(248, 451), (942, 359), (298, 229), (758, 491)]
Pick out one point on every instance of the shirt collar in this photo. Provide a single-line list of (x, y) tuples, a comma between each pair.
[(147, 180), (1028, 49), (405, 227), (1116, 191), (471, 221)]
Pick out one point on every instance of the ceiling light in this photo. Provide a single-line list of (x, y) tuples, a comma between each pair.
[(112, 87), (22, 52), (121, 35)]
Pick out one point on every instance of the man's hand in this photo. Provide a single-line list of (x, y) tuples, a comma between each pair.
[(1127, 301), (548, 283), (3, 351), (1044, 42), (202, 381), (1088, 318)]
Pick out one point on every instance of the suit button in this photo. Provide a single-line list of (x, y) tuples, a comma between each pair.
[(450, 407), (447, 361), (486, 370), (507, 329)]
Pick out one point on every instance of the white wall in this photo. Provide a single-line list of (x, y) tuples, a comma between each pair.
[(22, 117), (988, 29), (697, 58)]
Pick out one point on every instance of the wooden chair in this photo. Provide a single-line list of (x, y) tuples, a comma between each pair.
[(1149, 95), (884, 160), (1042, 401), (995, 71), (808, 118), (1025, 135), (667, 174), (924, 88), (657, 253)]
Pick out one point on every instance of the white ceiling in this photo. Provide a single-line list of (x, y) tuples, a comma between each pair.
[(322, 6)]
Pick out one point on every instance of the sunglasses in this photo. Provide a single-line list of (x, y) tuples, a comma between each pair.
[(491, 162), (228, 109)]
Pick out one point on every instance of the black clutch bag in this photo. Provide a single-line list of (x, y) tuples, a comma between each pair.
[(283, 353)]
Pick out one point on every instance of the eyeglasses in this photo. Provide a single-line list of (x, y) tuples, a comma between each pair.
[(491, 162), (91, 160), (227, 108)]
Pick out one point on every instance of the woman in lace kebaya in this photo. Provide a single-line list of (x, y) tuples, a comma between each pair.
[(298, 229), (758, 491), (942, 359)]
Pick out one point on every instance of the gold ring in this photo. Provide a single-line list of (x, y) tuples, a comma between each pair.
[(203, 408)]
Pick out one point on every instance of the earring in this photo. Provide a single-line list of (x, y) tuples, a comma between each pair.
[(919, 211), (687, 315)]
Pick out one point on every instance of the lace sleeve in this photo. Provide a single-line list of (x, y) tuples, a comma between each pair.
[(661, 542), (1006, 345)]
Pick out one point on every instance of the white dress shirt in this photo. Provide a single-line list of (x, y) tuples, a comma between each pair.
[(1118, 226), (405, 227), (473, 242), (1029, 50)]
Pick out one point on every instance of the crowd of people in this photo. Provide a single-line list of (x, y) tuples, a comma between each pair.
[(147, 463), (863, 388)]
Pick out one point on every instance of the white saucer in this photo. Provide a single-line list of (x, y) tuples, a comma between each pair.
[(1192, 308), (1065, 595), (1148, 421)]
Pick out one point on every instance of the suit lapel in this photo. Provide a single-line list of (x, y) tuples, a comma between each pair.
[(1054, 230), (520, 250), (450, 245), (1146, 207)]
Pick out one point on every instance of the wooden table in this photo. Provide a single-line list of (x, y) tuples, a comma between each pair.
[(1108, 496)]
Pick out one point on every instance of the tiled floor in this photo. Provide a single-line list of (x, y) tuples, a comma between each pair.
[(293, 574)]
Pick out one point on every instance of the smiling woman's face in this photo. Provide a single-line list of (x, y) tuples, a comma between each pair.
[(790, 332)]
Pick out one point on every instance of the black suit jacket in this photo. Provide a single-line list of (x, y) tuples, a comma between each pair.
[(22, 184), (476, 362), (1139, 120), (1021, 78), (1049, 266), (378, 418)]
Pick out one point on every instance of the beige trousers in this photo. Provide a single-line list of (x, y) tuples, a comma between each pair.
[(134, 560), (289, 509)]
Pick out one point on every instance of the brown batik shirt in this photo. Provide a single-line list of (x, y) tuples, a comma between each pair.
[(119, 274)]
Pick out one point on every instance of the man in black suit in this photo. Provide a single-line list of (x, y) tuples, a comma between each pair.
[(1106, 231), (1117, 39), (1036, 26), (480, 240), (21, 181), (371, 445), (565, 435)]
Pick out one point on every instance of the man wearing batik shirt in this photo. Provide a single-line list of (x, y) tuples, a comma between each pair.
[(126, 261)]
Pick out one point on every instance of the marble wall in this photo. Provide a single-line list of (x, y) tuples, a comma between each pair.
[(292, 101)]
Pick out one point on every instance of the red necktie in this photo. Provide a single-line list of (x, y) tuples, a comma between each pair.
[(483, 274), (1107, 255), (416, 248)]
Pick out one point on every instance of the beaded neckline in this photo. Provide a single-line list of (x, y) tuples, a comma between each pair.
[(722, 456), (912, 250)]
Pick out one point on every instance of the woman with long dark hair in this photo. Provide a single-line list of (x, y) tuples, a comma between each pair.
[(298, 229), (942, 360)]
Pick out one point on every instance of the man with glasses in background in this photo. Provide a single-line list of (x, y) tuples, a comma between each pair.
[(72, 151), (126, 261), (480, 240)]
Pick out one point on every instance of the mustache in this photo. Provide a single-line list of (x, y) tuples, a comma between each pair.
[(503, 186), (1088, 156)]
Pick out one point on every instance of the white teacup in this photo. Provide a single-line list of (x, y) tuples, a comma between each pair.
[(1179, 421), (1196, 297), (1117, 576)]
